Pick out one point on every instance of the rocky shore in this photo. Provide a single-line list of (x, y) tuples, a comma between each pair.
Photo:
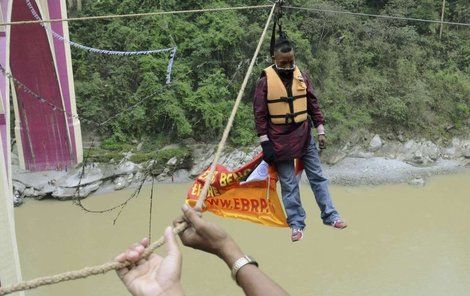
[(368, 161)]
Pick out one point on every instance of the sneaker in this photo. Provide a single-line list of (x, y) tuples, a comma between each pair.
[(340, 224), (297, 234)]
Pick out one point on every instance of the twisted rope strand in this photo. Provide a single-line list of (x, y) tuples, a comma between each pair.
[(104, 268), (91, 49)]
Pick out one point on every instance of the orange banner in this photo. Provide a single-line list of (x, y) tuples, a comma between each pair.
[(230, 196)]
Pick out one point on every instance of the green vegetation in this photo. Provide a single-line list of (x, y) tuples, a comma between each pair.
[(97, 154), (384, 76)]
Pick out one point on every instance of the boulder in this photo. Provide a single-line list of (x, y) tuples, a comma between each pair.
[(466, 152), (375, 144), (181, 176), (30, 192), (90, 175), (36, 180), (68, 193), (449, 153), (138, 176), (172, 162), (121, 183), (401, 137), (127, 155), (410, 145), (18, 186), (46, 189), (236, 158), (456, 142), (17, 201), (127, 167), (202, 157), (431, 150), (421, 153), (418, 158)]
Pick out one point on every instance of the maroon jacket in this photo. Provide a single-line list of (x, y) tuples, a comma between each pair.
[(289, 140)]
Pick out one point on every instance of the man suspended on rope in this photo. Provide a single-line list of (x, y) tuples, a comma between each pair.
[(285, 108)]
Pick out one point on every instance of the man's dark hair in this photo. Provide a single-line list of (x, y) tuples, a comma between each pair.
[(283, 44)]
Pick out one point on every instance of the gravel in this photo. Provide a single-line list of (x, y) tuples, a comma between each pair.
[(379, 170)]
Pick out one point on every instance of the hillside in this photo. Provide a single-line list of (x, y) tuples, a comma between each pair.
[(392, 77)]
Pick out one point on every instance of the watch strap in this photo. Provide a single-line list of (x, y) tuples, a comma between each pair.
[(240, 263)]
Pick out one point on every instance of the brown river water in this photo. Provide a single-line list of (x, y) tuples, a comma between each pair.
[(402, 240)]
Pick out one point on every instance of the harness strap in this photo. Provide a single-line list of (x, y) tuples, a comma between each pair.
[(288, 115), (287, 99)]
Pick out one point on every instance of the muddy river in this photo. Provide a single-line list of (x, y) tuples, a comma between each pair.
[(402, 240)]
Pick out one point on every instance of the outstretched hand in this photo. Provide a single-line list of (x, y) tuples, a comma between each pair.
[(155, 275)]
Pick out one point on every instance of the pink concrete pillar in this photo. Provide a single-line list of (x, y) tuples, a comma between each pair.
[(47, 136)]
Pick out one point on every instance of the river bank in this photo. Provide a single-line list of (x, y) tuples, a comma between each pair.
[(372, 161)]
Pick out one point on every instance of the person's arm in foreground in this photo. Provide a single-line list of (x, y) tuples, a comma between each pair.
[(156, 275), (210, 238)]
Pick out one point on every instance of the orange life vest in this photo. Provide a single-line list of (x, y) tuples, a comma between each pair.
[(286, 107)]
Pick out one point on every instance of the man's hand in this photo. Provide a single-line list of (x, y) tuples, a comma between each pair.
[(322, 141), (268, 151), (207, 237), (155, 275)]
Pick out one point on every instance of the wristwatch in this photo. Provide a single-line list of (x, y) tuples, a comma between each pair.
[(240, 263)]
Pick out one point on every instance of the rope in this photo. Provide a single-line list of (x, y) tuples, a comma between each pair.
[(378, 16), (151, 209), (113, 16), (85, 272), (170, 65), (202, 197), (91, 49), (277, 23), (101, 269)]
